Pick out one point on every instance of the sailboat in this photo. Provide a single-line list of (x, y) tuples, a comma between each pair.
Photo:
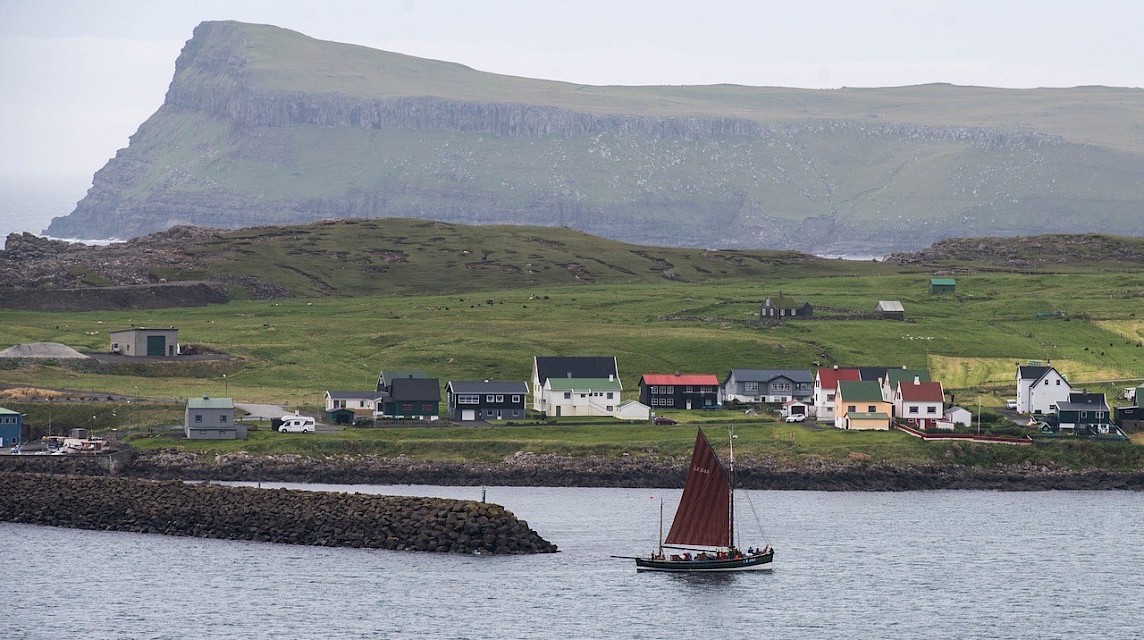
[(703, 530)]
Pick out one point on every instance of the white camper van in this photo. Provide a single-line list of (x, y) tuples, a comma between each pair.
[(297, 424)]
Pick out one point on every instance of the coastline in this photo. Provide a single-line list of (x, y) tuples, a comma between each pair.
[(526, 469)]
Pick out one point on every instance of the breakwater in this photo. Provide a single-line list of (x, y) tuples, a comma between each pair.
[(265, 515)]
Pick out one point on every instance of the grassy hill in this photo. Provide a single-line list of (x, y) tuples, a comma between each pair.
[(266, 126)]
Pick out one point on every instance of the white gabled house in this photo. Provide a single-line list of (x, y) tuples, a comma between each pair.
[(918, 403), (568, 368), (1040, 388), (826, 387), (959, 416), (580, 396)]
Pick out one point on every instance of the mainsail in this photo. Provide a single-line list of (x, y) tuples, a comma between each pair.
[(704, 514)]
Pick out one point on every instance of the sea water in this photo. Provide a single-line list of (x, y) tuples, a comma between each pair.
[(944, 564)]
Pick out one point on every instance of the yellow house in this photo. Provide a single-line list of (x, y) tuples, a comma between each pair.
[(859, 405)]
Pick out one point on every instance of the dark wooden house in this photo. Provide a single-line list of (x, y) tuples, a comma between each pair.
[(781, 306), (485, 400), (679, 390)]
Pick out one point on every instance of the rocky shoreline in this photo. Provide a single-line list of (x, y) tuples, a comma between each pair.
[(526, 469)]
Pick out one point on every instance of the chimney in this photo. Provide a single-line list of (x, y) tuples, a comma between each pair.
[(917, 380), (611, 377), (835, 366)]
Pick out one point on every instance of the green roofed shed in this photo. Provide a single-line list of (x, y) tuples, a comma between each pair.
[(942, 285)]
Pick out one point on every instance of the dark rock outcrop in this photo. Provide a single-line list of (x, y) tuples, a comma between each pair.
[(265, 515)]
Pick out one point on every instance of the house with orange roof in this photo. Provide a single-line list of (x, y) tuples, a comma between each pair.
[(679, 390), (918, 403), (826, 386)]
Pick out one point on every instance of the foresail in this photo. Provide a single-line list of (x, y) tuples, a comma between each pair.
[(703, 517)]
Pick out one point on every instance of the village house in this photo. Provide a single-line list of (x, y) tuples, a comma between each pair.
[(859, 405), (582, 378), (1085, 414), (1131, 418), (767, 385), (347, 407), (679, 390), (411, 399), (826, 387), (485, 400), (781, 306), (919, 403), (385, 378), (141, 342), (11, 427), (209, 418), (1040, 388), (892, 377)]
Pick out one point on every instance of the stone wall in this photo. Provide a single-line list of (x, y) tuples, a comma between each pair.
[(266, 515)]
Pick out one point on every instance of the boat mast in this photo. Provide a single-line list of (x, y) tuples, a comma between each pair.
[(731, 493), (661, 527)]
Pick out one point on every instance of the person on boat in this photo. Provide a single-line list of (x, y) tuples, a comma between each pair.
[(750, 551)]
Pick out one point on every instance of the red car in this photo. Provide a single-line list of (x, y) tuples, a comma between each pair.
[(664, 420)]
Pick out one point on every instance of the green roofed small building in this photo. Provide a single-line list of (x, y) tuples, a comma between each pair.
[(942, 285), (209, 418)]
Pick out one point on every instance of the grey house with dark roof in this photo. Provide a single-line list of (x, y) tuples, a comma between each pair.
[(767, 385), (485, 400)]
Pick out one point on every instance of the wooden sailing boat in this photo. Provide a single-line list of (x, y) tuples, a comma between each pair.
[(704, 525)]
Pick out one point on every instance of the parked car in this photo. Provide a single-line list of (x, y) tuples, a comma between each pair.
[(664, 420), (796, 417), (1011, 404)]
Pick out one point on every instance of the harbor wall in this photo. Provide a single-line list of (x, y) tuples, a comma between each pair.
[(265, 515)]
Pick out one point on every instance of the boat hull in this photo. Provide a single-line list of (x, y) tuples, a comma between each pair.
[(757, 562)]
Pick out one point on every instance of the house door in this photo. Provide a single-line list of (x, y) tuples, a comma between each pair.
[(156, 345), (689, 403), (557, 411)]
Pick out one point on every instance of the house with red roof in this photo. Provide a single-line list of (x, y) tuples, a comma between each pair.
[(679, 390), (918, 403), (826, 388)]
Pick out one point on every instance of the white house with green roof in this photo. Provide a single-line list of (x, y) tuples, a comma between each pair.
[(209, 418), (581, 396), (897, 376)]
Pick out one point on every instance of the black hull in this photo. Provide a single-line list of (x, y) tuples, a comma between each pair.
[(757, 562)]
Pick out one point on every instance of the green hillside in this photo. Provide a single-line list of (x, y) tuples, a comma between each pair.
[(262, 125)]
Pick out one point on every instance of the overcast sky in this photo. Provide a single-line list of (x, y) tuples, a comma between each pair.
[(78, 77)]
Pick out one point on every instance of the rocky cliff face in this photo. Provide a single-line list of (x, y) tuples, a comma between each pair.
[(231, 149)]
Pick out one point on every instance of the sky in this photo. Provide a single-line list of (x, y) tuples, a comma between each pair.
[(78, 77)]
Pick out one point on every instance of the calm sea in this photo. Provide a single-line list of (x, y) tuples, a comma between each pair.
[(929, 565), (29, 204)]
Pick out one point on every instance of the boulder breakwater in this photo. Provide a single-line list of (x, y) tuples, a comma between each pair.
[(266, 515)]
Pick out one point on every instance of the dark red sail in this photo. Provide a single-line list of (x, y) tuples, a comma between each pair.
[(704, 513)]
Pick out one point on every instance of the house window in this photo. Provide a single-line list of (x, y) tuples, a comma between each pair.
[(198, 418), (222, 418), (690, 389), (407, 407), (931, 409), (914, 408), (750, 387), (489, 398), (871, 408), (427, 407), (567, 395), (610, 395), (516, 398), (1058, 383), (500, 398), (830, 397), (852, 407), (468, 398)]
